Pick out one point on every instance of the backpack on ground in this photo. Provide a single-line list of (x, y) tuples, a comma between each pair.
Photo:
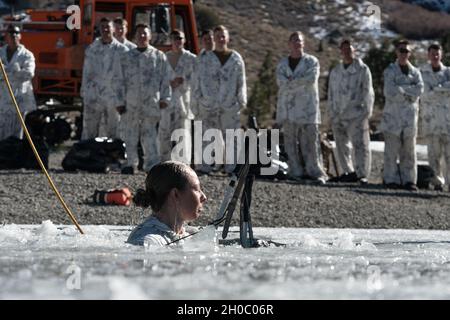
[(16, 153), (95, 155)]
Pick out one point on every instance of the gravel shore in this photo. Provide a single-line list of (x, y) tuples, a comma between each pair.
[(26, 198)]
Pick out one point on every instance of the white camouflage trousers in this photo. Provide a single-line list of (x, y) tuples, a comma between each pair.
[(171, 120), (402, 148), (93, 115), (220, 120), (302, 145), (136, 128), (352, 146), (439, 153)]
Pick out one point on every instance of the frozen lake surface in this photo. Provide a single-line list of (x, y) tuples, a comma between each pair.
[(55, 262)]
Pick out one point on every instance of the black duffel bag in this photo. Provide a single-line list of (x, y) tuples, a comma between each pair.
[(98, 155), (16, 153)]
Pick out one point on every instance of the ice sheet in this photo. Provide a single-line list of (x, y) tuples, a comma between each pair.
[(55, 262)]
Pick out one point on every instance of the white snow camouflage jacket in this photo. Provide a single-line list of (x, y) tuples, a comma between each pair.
[(146, 78), (298, 95), (220, 87), (435, 101), (101, 74), (350, 92), (181, 96), (129, 44), (402, 94), (20, 71)]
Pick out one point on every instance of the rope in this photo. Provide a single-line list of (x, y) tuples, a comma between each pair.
[(36, 154)]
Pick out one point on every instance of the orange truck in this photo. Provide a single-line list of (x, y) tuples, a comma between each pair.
[(59, 49)]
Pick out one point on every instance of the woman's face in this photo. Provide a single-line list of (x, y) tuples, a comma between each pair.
[(191, 199)]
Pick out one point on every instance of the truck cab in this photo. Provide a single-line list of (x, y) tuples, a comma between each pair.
[(59, 51)]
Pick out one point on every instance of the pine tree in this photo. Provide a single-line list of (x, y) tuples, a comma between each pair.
[(445, 42), (378, 59), (262, 101), (206, 18)]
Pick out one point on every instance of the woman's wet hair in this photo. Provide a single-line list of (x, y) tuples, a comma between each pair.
[(161, 179)]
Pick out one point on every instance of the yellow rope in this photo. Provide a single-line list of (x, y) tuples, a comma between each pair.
[(36, 154)]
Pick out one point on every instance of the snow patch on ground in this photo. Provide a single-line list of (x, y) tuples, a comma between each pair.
[(378, 146), (360, 20)]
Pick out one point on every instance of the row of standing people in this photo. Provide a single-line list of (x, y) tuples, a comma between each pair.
[(147, 87), (350, 105), (219, 94), (405, 89), (155, 93)]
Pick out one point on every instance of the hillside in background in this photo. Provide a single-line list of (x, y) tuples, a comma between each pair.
[(435, 5)]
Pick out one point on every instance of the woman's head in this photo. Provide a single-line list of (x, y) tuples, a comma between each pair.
[(172, 186)]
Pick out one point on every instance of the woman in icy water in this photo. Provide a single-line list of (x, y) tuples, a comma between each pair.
[(172, 190)]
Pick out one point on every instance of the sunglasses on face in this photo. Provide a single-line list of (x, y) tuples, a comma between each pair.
[(403, 50)]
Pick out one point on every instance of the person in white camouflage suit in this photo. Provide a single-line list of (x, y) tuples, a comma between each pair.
[(403, 86), (146, 78), (19, 66), (350, 105), (298, 111), (178, 115), (101, 89), (120, 33), (220, 93), (207, 41), (435, 114)]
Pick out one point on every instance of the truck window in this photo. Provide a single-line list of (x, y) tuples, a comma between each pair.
[(182, 22), (108, 10), (158, 19), (99, 15)]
